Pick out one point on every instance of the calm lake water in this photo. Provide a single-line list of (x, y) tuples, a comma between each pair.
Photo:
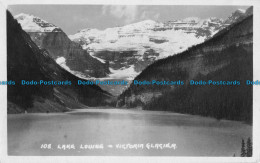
[(118, 131)]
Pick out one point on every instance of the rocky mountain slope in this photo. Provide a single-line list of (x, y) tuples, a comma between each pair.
[(25, 61), (68, 54), (228, 56), (131, 48), (121, 52)]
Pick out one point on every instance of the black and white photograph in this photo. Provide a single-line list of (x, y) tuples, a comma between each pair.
[(130, 80)]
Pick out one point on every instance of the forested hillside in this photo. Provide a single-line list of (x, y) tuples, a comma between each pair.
[(25, 61), (226, 57)]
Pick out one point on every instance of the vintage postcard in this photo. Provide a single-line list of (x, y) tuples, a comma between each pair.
[(121, 81)]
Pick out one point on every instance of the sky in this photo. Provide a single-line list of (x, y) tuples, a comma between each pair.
[(72, 18)]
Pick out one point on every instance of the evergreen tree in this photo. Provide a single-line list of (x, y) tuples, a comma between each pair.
[(243, 149), (249, 148)]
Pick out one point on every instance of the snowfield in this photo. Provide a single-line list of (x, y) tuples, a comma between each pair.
[(31, 23), (141, 36), (145, 39), (166, 39)]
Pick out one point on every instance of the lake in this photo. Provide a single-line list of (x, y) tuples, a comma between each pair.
[(122, 132)]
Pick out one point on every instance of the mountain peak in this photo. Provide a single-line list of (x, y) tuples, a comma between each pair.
[(249, 11), (235, 15), (240, 10), (238, 13), (22, 15), (31, 23)]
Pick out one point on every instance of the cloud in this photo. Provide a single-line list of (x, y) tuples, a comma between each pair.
[(127, 13)]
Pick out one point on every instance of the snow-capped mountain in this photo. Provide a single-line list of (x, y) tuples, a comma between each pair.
[(234, 16), (131, 48), (31, 23), (25, 61), (137, 45), (122, 52), (67, 53), (226, 57), (164, 38)]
